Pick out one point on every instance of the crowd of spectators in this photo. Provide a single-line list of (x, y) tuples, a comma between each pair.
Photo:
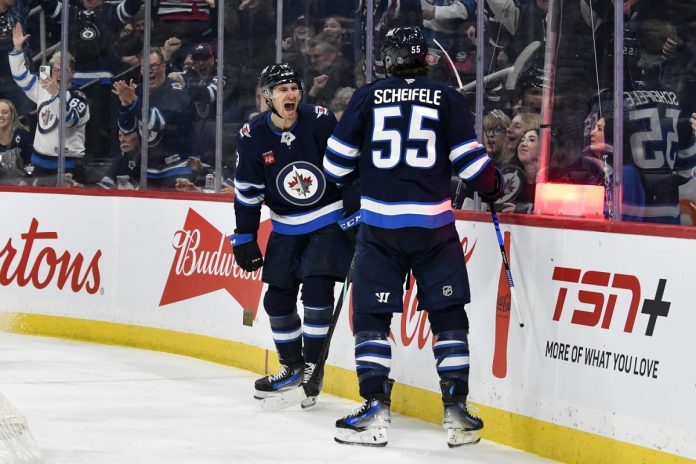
[(325, 41)]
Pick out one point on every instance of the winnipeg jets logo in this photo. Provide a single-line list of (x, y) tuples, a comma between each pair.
[(410, 81), (287, 138), (245, 131), (47, 120), (321, 111), (301, 183)]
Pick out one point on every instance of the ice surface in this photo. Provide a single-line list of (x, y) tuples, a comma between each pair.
[(97, 404)]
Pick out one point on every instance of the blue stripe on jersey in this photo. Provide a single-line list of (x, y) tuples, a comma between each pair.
[(407, 220), (406, 214), (296, 225)]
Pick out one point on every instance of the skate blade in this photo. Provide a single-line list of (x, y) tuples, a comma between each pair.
[(375, 436), (460, 437), (283, 400), (308, 402)]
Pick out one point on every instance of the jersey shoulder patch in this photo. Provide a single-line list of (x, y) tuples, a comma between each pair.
[(320, 111), (245, 131)]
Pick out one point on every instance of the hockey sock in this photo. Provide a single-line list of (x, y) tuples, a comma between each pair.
[(450, 328), (287, 336), (372, 361), (317, 296), (451, 351), (314, 329)]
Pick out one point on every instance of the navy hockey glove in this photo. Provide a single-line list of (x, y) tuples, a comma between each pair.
[(350, 226), (247, 254), (498, 190)]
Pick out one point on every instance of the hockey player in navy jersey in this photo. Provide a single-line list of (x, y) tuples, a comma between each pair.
[(279, 163), (404, 135)]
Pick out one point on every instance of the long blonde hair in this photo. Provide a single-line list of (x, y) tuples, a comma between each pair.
[(14, 117)]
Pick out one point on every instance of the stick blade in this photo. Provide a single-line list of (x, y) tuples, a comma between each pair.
[(283, 400)]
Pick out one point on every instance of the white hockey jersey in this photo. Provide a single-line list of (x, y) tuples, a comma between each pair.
[(48, 112)]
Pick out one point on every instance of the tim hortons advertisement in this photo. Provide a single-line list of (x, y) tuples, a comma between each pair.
[(34, 260)]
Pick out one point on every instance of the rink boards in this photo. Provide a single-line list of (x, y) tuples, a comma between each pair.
[(602, 371)]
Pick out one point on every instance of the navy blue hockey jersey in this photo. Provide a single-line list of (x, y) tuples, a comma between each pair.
[(170, 124), (283, 170), (404, 137), (658, 142)]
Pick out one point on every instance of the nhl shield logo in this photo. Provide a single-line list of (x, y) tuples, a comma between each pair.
[(301, 183)]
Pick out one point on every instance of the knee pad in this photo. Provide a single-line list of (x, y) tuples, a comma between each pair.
[(280, 302), (371, 322), (318, 291), (451, 318)]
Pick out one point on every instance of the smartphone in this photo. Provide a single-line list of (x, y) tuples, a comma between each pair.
[(44, 72)]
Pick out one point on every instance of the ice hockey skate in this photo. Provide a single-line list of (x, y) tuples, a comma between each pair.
[(287, 378), (462, 427), (310, 400), (367, 425)]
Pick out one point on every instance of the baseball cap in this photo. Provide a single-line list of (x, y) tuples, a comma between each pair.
[(203, 50)]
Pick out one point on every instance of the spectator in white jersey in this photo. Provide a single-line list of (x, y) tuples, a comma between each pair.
[(44, 93)]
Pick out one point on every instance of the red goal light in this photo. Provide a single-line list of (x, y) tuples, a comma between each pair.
[(569, 200)]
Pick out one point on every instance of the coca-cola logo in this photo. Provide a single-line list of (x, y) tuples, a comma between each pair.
[(39, 264), (204, 262), (414, 324)]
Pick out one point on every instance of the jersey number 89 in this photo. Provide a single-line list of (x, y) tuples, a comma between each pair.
[(415, 132)]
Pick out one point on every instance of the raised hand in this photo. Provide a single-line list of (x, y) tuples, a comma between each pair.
[(18, 37), (125, 92)]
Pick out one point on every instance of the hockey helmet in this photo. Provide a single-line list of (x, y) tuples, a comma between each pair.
[(405, 49), (279, 73)]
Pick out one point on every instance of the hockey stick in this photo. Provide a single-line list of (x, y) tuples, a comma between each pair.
[(513, 299), (506, 263), (307, 393)]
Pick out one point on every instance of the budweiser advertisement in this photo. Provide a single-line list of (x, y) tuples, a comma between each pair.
[(203, 262)]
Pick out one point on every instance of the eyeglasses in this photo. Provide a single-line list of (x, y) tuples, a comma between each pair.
[(153, 66), (494, 130)]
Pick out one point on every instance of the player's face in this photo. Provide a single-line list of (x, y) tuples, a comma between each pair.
[(285, 98), (5, 115)]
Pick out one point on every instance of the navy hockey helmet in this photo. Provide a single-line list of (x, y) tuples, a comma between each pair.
[(276, 74), (404, 50)]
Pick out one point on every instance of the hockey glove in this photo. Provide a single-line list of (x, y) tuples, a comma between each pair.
[(498, 190), (247, 255), (350, 226)]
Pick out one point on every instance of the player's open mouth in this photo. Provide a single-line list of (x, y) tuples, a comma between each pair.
[(289, 106)]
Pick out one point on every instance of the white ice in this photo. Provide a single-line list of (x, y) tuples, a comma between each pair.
[(97, 404)]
